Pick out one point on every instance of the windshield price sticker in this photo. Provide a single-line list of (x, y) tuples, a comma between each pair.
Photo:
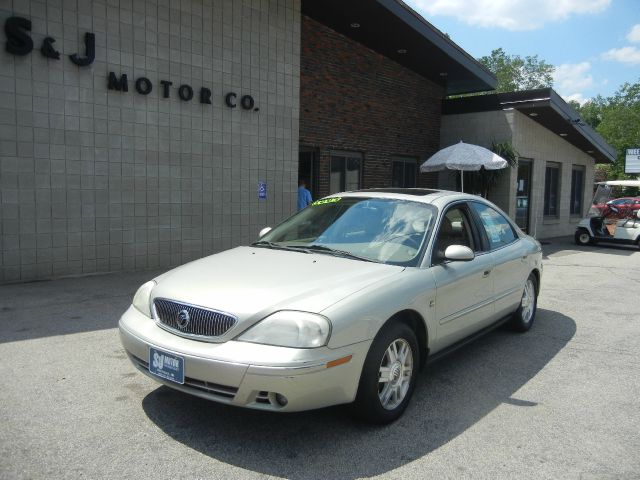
[(324, 201)]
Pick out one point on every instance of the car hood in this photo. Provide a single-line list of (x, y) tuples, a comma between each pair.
[(251, 283)]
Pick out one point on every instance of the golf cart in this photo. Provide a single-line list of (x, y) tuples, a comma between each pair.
[(607, 222)]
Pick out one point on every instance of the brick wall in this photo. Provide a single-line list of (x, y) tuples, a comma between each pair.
[(357, 100)]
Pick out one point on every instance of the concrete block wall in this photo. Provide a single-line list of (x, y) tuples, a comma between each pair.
[(97, 180), (482, 129), (534, 142)]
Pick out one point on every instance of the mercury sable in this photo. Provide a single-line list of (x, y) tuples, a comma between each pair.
[(342, 302)]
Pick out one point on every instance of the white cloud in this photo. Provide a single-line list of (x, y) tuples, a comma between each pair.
[(571, 79), (509, 14), (634, 34), (630, 55), (578, 97)]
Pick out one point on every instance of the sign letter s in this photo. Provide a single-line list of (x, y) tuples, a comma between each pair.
[(18, 40)]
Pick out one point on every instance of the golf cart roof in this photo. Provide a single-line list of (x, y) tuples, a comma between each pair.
[(621, 183)]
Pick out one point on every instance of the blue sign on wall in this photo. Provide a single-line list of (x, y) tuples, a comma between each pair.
[(262, 190)]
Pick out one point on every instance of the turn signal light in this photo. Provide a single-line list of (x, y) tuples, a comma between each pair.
[(340, 361)]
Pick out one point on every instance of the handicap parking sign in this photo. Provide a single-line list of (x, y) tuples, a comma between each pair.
[(262, 190)]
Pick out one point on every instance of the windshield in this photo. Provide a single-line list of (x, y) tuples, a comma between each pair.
[(374, 229)]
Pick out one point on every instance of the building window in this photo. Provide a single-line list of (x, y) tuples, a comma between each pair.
[(346, 171), (404, 172), (551, 189), (577, 190)]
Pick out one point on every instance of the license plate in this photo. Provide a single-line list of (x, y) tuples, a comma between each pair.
[(166, 365)]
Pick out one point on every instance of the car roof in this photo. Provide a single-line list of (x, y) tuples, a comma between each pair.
[(431, 196)]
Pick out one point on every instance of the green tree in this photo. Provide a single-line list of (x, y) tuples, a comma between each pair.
[(617, 120), (517, 73)]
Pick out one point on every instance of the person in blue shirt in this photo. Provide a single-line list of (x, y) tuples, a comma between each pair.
[(304, 195)]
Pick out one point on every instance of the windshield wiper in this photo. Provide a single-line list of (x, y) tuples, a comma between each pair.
[(277, 246), (338, 253)]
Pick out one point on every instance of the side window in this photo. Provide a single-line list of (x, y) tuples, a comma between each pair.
[(499, 230), (454, 230)]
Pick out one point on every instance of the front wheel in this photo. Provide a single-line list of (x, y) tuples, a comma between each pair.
[(526, 313), (582, 237), (388, 375)]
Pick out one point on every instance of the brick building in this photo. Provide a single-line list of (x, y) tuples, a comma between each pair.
[(372, 79), (144, 134)]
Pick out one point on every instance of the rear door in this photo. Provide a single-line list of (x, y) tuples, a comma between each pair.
[(464, 290), (509, 257)]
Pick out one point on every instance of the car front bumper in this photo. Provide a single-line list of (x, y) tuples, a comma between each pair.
[(246, 374)]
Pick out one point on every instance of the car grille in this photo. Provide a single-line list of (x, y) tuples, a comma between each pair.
[(201, 321)]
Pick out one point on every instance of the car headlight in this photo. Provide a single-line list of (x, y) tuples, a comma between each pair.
[(142, 297), (290, 328)]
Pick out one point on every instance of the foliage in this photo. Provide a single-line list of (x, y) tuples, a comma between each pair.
[(517, 73), (482, 181), (617, 119)]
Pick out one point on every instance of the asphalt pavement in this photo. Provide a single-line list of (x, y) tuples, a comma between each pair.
[(561, 401)]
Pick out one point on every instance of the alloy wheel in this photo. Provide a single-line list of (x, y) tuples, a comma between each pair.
[(395, 374), (528, 301)]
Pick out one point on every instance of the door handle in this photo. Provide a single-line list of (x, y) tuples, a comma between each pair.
[(486, 273)]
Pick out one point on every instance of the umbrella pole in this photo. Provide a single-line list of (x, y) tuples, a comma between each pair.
[(462, 181)]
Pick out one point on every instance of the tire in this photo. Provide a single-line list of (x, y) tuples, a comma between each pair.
[(383, 402), (582, 237), (523, 317)]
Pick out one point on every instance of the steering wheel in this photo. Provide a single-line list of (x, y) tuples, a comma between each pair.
[(410, 240)]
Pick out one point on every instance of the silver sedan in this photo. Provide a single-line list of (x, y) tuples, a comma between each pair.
[(343, 302)]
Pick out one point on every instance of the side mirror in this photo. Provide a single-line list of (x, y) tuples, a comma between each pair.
[(459, 253), (264, 231)]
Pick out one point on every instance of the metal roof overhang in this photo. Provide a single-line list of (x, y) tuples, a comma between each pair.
[(387, 26), (547, 108)]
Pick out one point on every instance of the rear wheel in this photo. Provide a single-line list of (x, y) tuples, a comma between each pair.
[(526, 313), (582, 237), (388, 375)]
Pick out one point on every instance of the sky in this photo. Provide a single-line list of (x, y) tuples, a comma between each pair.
[(594, 44)]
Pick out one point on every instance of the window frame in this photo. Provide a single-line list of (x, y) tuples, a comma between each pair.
[(483, 231), (476, 236), (546, 207), (405, 160), (580, 212), (345, 155)]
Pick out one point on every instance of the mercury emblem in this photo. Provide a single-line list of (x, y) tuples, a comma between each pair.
[(183, 319)]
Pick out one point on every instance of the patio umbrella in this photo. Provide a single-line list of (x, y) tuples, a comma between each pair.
[(463, 156)]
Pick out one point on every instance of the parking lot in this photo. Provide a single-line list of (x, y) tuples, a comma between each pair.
[(561, 401)]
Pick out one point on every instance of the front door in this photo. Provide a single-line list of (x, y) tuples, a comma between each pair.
[(523, 194), (308, 170), (464, 290)]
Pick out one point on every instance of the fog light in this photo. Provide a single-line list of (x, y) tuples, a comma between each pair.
[(281, 399)]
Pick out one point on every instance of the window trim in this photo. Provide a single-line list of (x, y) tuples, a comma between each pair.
[(405, 159), (558, 167), (345, 154), (476, 236), (583, 170)]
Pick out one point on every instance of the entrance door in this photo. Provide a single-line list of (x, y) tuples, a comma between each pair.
[(308, 170), (523, 194)]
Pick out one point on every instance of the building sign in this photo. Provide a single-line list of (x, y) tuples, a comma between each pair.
[(632, 161), (262, 190), (20, 43)]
